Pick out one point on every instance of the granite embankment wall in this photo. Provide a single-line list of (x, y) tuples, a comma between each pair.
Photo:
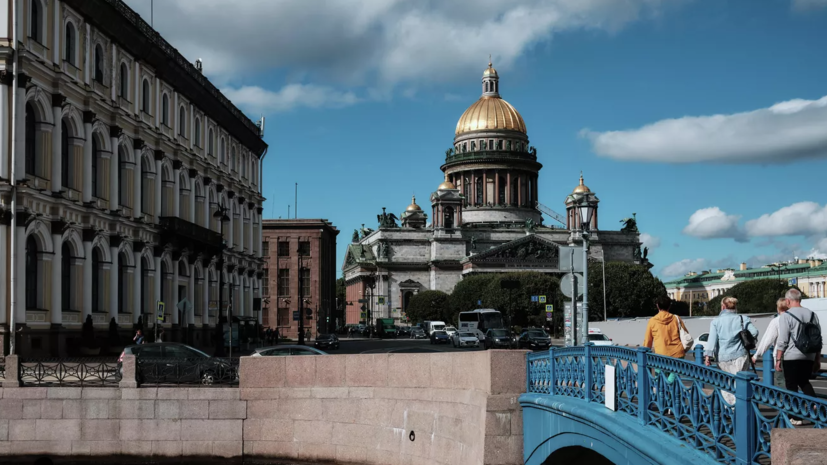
[(442, 408)]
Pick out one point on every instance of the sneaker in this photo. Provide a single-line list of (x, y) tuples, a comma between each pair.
[(796, 422)]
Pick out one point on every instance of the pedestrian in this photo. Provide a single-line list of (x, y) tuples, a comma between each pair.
[(160, 337), (139, 337), (663, 332), (307, 334), (276, 336), (770, 339), (798, 351), (725, 343)]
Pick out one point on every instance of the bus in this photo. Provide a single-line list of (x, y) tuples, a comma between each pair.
[(480, 320)]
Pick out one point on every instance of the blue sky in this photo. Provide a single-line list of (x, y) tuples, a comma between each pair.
[(706, 118)]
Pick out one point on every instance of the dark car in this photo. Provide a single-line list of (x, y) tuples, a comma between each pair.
[(534, 339), (418, 333), (174, 363), (440, 337), (326, 341), (404, 331), (498, 339)]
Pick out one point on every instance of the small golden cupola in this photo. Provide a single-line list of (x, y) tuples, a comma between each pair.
[(413, 207), (413, 216)]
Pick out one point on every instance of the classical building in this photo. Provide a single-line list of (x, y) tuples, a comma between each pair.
[(120, 165), (810, 275), (299, 258), (484, 217)]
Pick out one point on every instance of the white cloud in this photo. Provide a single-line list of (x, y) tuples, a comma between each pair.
[(819, 250), (259, 100), (798, 219), (684, 266), (712, 223), (650, 241), (808, 5), (784, 132), (384, 41)]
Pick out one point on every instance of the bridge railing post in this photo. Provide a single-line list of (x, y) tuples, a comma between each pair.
[(767, 367), (642, 385), (552, 382), (699, 355), (587, 378), (745, 427)]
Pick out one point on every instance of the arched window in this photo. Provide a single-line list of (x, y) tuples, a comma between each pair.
[(124, 82), (69, 44), (66, 276), (182, 122), (99, 63), (146, 95), (197, 134), (210, 143), (32, 283), (94, 166), (66, 167), (30, 139), (123, 299), (233, 161), (96, 287), (35, 29), (165, 110)]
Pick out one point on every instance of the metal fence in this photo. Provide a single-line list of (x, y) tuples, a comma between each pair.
[(680, 398), (202, 371), (69, 372)]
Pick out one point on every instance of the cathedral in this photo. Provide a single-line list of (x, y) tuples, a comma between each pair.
[(485, 218)]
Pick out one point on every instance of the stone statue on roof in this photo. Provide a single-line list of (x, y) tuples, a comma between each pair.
[(630, 224)]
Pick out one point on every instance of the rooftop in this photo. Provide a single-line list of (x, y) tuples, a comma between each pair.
[(784, 271)]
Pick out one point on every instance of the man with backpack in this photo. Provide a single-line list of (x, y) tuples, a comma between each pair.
[(798, 351)]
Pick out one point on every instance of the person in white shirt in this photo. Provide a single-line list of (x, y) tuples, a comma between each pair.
[(769, 340)]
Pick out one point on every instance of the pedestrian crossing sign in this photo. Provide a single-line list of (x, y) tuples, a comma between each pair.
[(381, 300), (159, 315), (542, 299), (550, 308)]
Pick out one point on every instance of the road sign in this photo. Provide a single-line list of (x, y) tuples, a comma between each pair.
[(381, 300), (550, 308), (549, 316), (535, 298), (308, 311), (542, 299), (295, 315), (566, 253), (362, 315), (479, 303), (565, 285), (159, 314)]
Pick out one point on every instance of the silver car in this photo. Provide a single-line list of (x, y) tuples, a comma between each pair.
[(465, 339)]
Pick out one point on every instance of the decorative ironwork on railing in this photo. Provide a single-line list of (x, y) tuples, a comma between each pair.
[(680, 398), (69, 372), (211, 371)]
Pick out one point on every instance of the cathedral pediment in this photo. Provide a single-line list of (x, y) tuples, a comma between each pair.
[(528, 249), (358, 253)]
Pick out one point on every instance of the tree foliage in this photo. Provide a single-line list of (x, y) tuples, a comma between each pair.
[(755, 296), (630, 291), (428, 305)]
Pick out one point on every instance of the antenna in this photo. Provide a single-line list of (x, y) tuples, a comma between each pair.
[(296, 202)]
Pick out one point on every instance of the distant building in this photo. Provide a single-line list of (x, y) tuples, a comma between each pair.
[(485, 218), (300, 252), (809, 275), (123, 155)]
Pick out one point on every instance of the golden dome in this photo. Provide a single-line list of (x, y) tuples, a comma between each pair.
[(490, 71), (446, 184), (413, 207), (581, 188), (490, 113)]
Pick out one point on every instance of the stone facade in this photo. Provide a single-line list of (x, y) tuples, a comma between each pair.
[(283, 261), (366, 409), (124, 153)]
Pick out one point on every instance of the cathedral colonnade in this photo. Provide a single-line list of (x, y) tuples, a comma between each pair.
[(497, 187)]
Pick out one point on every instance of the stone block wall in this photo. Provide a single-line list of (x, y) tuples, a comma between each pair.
[(441, 408)]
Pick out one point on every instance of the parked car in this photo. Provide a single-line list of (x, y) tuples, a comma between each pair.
[(450, 330), (534, 339), (498, 339), (465, 339), (404, 331), (597, 338), (288, 350), (418, 333), (701, 341), (327, 341), (439, 337), (174, 363)]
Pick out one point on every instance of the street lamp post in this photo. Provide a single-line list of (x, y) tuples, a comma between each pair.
[(221, 215), (586, 208)]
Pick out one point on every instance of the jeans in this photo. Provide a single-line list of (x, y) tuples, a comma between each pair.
[(734, 366)]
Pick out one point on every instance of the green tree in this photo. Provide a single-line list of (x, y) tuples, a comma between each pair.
[(630, 291), (755, 296), (467, 294), (428, 305), (516, 305)]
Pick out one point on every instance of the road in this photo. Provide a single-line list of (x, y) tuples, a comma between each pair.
[(402, 346)]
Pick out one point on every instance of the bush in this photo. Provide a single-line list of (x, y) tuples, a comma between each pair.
[(756, 296)]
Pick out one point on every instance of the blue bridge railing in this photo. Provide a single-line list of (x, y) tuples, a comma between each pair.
[(680, 398)]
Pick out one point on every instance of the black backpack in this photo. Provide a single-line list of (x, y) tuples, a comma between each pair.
[(808, 339), (747, 339)]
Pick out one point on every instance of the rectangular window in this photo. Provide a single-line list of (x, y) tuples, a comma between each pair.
[(266, 281), (265, 248), (305, 279), (304, 249), (284, 249), (284, 282)]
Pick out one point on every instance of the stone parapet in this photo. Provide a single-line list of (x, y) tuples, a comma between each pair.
[(799, 446)]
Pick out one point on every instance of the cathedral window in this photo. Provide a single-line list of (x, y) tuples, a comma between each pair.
[(99, 63), (491, 144), (473, 146)]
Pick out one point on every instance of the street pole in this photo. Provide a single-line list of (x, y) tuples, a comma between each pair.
[(575, 324), (604, 288), (584, 329)]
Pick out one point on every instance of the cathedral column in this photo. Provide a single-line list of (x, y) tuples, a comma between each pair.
[(88, 118), (87, 272), (57, 146), (484, 187), (6, 80), (159, 180), (20, 304), (137, 281), (114, 271), (496, 187), (137, 180), (519, 190), (175, 297), (205, 300), (4, 231), (206, 207), (20, 156), (176, 192), (57, 284), (191, 296), (158, 283), (192, 174), (259, 211), (508, 187), (114, 169), (473, 187)]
